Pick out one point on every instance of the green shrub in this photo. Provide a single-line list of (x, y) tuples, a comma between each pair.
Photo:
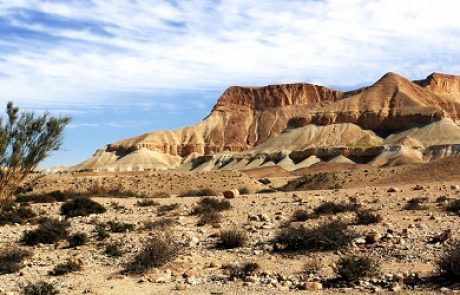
[(39, 288), (448, 264), (353, 268), (81, 206), (232, 238), (198, 193), (65, 268), (11, 259), (113, 249), (48, 232), (77, 239), (326, 237), (157, 251), (366, 217)]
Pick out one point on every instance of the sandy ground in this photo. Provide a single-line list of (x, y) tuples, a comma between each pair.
[(198, 270)]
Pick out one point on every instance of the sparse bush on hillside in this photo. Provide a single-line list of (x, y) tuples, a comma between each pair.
[(209, 218), (448, 264), (157, 251), (318, 181), (77, 239), (205, 192), (353, 268), (330, 236), (39, 288), (241, 271), (233, 238), (81, 206), (327, 208), (366, 217), (11, 259), (416, 204), (66, 267), (48, 232)]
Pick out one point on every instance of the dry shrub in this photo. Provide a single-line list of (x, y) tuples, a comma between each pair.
[(300, 215), (77, 239), (353, 268), (160, 224), (66, 267), (147, 203), (113, 249), (448, 264), (13, 214), (164, 209), (326, 237), (39, 288), (209, 218), (198, 193), (416, 204), (329, 208), (81, 206), (11, 259), (48, 232), (366, 217), (157, 251), (453, 206), (241, 271), (232, 238)]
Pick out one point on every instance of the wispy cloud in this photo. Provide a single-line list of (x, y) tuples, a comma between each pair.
[(82, 51)]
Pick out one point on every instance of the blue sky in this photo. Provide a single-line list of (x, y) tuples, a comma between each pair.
[(122, 68)]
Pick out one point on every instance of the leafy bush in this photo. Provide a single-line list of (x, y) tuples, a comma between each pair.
[(300, 215), (11, 259), (198, 193), (120, 227), (157, 251), (327, 208), (241, 271), (12, 214), (366, 217), (39, 288), (453, 206), (352, 268), (65, 268), (113, 249), (416, 204), (81, 206), (232, 238), (162, 224), (48, 232), (325, 237), (448, 264), (77, 239), (147, 203)]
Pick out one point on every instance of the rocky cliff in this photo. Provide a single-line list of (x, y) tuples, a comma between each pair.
[(244, 117)]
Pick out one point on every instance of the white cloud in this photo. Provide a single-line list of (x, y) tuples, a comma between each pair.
[(134, 46)]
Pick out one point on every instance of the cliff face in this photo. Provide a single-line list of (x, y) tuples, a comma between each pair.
[(244, 117)]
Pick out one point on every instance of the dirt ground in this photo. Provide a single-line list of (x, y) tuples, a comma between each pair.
[(198, 268)]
